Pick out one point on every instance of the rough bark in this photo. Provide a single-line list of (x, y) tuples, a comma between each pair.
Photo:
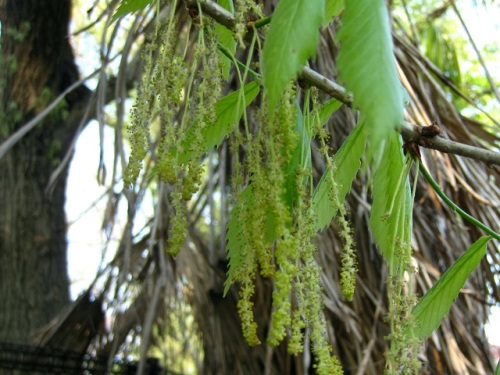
[(39, 65)]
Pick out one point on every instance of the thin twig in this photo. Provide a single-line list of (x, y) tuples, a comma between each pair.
[(69, 153), (215, 11), (30, 125), (411, 133), (25, 129)]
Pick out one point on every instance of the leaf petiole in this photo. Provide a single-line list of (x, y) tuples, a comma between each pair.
[(230, 56), (453, 206)]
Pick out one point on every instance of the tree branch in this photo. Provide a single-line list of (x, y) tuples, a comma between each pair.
[(26, 128), (410, 133)]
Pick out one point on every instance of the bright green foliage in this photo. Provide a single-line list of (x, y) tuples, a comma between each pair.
[(301, 160), (441, 51), (346, 165), (332, 9), (391, 225), (328, 198), (436, 303), (239, 215), (404, 345), (366, 65), (270, 232), (276, 213), (260, 214), (390, 219), (291, 40), (226, 39), (228, 111), (497, 370), (130, 6)]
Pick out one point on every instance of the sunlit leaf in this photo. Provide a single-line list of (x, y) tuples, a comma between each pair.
[(327, 109), (301, 158), (390, 219), (226, 39), (436, 303), (366, 65), (347, 163), (228, 110), (332, 9), (130, 6), (291, 40)]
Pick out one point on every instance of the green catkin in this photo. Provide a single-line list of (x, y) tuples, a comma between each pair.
[(296, 343), (312, 303), (327, 363), (305, 233), (402, 357), (192, 180), (138, 130), (246, 10), (163, 93), (279, 211), (247, 272), (295, 256), (245, 306), (283, 280), (160, 93), (348, 257), (178, 225)]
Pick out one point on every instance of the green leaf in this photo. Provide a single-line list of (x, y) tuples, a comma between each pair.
[(301, 158), (130, 6), (366, 65), (347, 163), (497, 370), (228, 110), (327, 109), (226, 39), (291, 40), (390, 219), (332, 9), (436, 303)]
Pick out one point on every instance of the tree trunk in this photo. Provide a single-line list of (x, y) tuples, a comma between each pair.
[(37, 65)]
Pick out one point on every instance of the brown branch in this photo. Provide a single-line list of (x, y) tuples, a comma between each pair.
[(409, 132), (215, 11)]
